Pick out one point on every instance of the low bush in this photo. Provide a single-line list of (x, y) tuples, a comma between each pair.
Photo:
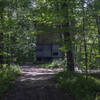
[(56, 64), (78, 86), (8, 75)]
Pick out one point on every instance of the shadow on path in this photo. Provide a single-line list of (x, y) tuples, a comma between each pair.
[(36, 84)]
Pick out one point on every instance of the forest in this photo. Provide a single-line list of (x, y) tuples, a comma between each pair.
[(29, 29)]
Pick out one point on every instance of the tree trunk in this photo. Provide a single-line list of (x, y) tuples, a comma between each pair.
[(98, 25), (1, 36), (1, 48), (69, 53), (85, 43)]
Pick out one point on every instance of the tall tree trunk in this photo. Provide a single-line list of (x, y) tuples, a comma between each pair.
[(85, 50), (69, 53), (67, 37), (98, 25), (1, 37), (1, 48), (84, 40)]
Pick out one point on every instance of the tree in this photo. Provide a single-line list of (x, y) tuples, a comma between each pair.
[(17, 28), (59, 14)]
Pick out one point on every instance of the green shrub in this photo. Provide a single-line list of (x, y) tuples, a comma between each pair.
[(7, 76), (56, 64), (78, 86)]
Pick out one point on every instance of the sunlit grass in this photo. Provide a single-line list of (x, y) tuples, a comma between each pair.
[(8, 74), (78, 86)]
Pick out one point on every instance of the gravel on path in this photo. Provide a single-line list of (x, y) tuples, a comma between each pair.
[(37, 84)]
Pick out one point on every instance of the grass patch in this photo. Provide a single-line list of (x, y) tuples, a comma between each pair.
[(8, 74), (78, 86)]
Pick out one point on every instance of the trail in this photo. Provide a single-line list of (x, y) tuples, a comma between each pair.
[(36, 84)]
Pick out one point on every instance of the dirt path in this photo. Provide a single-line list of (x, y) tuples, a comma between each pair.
[(36, 84)]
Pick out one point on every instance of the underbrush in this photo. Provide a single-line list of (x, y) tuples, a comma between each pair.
[(55, 64), (78, 86), (8, 74)]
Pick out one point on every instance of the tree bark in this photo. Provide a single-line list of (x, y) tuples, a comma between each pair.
[(85, 42), (67, 37), (1, 48), (69, 53), (98, 25)]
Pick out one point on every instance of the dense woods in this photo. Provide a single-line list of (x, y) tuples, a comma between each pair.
[(77, 22)]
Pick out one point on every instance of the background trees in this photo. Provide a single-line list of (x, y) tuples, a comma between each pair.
[(77, 21), (17, 28)]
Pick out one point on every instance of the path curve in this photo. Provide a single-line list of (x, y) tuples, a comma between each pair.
[(36, 84)]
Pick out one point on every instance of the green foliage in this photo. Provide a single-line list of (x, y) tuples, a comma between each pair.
[(2, 53), (8, 74), (16, 26), (78, 86), (21, 19), (56, 64)]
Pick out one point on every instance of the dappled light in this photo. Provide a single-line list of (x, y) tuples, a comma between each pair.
[(37, 74), (49, 49), (37, 84)]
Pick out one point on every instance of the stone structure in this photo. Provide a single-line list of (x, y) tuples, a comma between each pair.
[(48, 46)]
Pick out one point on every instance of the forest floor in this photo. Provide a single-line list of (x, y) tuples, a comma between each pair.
[(37, 83)]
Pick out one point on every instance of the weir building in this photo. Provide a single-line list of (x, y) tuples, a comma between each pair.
[(48, 44)]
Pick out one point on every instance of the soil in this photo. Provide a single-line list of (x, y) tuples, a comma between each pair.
[(37, 84)]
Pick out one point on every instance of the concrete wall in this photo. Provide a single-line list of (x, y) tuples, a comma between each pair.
[(48, 51)]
